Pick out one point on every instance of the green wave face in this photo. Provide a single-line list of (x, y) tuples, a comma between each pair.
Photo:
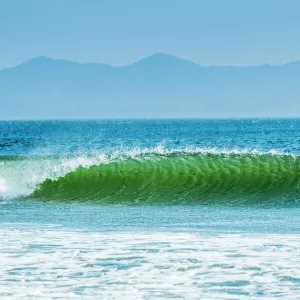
[(231, 179)]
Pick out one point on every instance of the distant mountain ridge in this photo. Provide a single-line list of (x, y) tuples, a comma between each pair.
[(157, 86)]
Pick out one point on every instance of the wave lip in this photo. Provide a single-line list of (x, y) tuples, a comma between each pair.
[(181, 177)]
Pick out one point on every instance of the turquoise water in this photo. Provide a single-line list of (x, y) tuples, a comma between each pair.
[(144, 209)]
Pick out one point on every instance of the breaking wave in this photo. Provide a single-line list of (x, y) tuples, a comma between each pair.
[(158, 177)]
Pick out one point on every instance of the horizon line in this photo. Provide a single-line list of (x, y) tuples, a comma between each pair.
[(152, 119)]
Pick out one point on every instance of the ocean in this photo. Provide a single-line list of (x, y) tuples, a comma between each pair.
[(150, 209)]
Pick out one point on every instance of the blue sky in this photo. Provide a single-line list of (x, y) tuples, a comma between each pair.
[(119, 32)]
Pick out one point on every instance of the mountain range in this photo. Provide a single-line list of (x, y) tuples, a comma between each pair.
[(155, 87)]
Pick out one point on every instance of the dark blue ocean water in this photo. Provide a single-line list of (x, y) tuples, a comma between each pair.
[(78, 137), (233, 231)]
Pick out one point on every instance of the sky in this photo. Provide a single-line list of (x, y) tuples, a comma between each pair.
[(120, 32)]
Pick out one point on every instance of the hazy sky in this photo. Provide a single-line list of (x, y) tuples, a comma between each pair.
[(119, 32)]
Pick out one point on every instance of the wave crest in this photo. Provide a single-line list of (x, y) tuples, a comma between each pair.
[(181, 177)]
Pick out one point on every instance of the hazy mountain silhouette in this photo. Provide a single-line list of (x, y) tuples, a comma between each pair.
[(157, 86)]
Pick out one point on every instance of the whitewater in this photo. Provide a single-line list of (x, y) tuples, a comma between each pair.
[(144, 209)]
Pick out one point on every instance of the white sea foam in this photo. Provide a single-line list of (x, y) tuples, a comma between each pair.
[(48, 264)]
